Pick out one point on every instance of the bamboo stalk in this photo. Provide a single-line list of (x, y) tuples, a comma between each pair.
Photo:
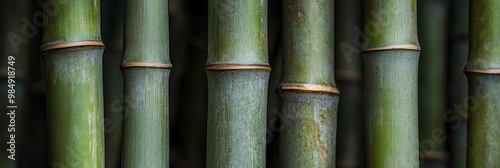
[(432, 26), (146, 68), (391, 54), (72, 55), (483, 69), (308, 85), (457, 87), (349, 75), (238, 75)]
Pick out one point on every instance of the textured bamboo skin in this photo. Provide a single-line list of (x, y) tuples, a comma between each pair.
[(309, 119), (145, 127), (73, 79), (483, 140), (391, 84), (457, 87), (349, 75), (237, 99), (432, 27)]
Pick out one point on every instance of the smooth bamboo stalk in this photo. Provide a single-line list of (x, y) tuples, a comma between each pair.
[(432, 27), (349, 75), (483, 69), (73, 79), (309, 116), (391, 70), (238, 75), (457, 86), (145, 67)]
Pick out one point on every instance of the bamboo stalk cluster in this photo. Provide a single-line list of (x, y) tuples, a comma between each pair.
[(238, 70)]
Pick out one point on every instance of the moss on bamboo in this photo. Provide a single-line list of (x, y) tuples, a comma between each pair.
[(237, 93), (391, 69), (483, 70), (146, 68), (73, 79), (308, 86)]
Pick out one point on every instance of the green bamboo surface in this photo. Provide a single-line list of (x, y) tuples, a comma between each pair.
[(309, 119), (145, 125), (432, 70), (391, 78), (349, 75), (457, 83), (483, 141), (73, 79), (237, 99)]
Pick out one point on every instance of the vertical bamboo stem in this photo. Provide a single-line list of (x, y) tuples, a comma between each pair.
[(483, 69), (308, 86), (72, 55), (349, 75), (238, 75), (457, 87), (391, 54), (432, 26), (146, 68)]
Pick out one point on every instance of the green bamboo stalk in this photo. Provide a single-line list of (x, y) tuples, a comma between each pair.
[(308, 85), (238, 75), (72, 55), (483, 69), (391, 70), (349, 75), (457, 87), (146, 69), (432, 27)]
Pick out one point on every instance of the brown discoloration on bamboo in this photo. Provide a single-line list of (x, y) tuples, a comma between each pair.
[(484, 71), (300, 15), (146, 65)]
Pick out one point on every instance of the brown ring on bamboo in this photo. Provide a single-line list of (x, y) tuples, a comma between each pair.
[(236, 67), (71, 45), (433, 155), (484, 71), (146, 65), (308, 88), (412, 47)]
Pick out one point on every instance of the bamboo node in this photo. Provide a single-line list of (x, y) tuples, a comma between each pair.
[(71, 45), (236, 67), (412, 47), (146, 65), (308, 88), (484, 71)]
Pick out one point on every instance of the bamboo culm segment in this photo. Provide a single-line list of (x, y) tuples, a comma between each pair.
[(73, 79), (391, 108), (483, 139), (145, 140), (145, 66), (236, 127), (391, 77), (307, 86), (237, 97), (74, 107), (309, 136)]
